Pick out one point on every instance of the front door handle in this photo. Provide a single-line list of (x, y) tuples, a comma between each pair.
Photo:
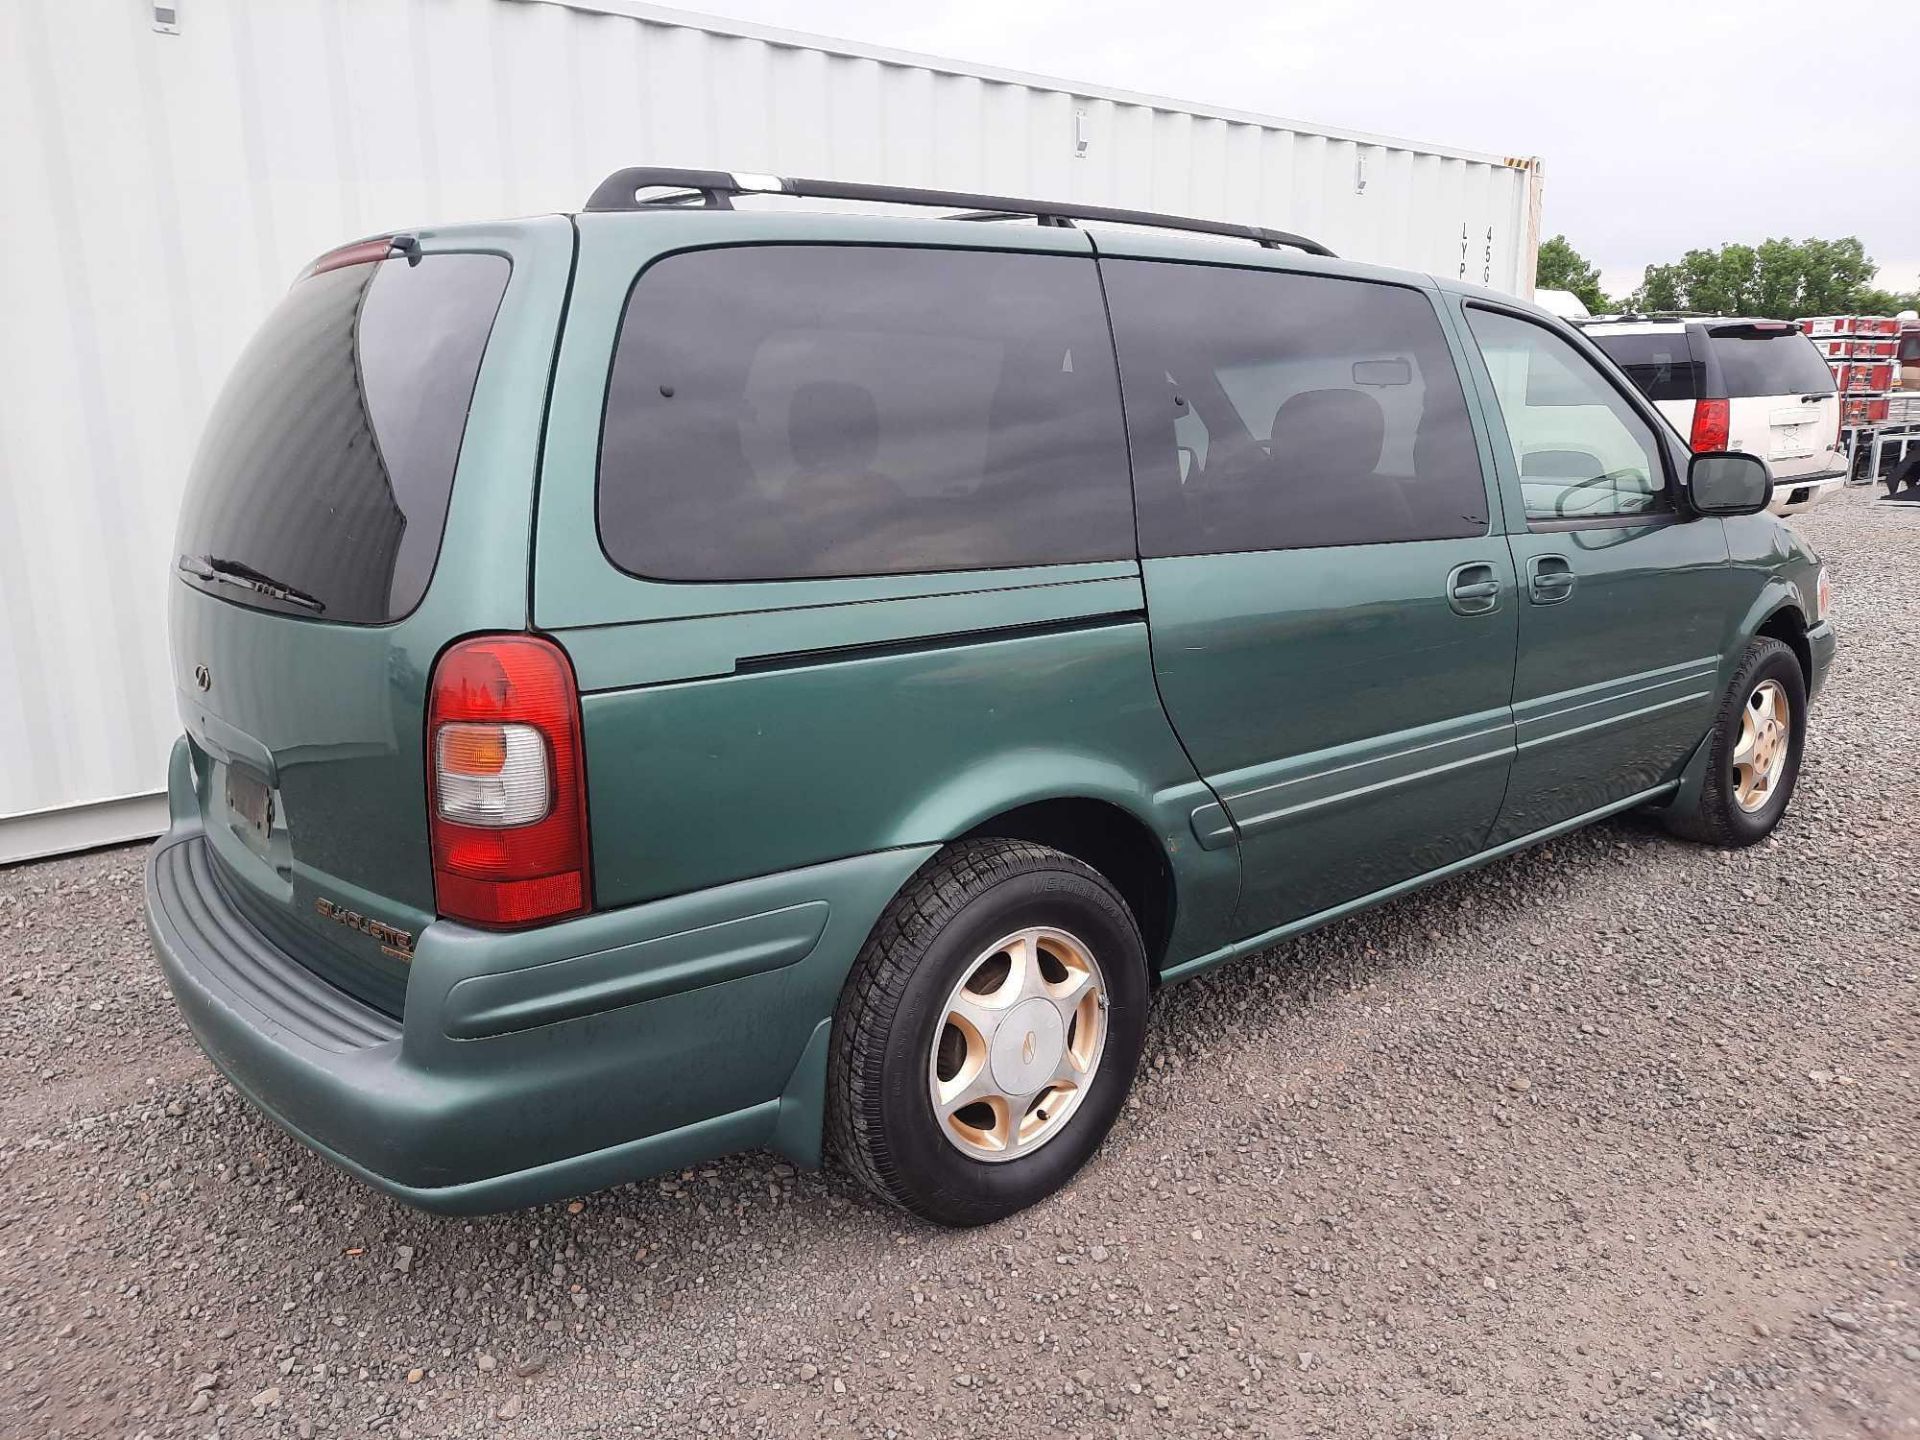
[(1549, 579), (1473, 589)]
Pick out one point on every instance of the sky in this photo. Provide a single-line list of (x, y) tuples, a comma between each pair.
[(1745, 119)]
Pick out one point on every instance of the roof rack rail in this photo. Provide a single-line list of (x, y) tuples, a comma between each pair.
[(715, 189), (1612, 316)]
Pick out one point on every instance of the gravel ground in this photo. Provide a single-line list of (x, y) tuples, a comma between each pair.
[(1614, 1138)]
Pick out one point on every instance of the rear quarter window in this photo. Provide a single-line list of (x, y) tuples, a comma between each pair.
[(322, 480), (795, 411), (1662, 367)]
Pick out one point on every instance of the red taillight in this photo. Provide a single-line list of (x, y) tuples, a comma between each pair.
[(492, 864), (1712, 420)]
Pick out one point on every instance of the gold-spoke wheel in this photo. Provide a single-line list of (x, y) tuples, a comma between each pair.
[(1017, 1044), (1760, 758)]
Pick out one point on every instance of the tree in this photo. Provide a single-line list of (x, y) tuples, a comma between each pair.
[(1776, 279), (1886, 302), (1561, 267)]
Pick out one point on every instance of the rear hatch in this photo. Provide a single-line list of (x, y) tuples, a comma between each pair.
[(360, 498), (1781, 401)]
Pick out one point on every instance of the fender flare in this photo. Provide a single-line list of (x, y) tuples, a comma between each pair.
[(1008, 780), (1205, 879), (1777, 594)]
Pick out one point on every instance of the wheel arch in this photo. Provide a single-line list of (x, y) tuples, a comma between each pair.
[(1110, 839), (1138, 834), (1787, 624), (1777, 613)]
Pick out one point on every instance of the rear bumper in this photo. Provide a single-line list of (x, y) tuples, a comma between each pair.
[(537, 1065), (1801, 493)]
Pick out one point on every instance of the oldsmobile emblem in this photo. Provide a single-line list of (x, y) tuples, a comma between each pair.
[(203, 677), (391, 938)]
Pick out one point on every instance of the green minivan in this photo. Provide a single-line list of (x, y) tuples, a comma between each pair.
[(705, 673)]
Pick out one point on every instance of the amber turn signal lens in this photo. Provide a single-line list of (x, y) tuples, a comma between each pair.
[(473, 749)]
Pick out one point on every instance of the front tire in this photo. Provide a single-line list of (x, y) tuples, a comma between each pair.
[(988, 1033), (1755, 759)]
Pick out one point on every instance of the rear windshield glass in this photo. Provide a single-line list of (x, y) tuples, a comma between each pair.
[(321, 483), (1769, 362), (792, 411), (1661, 365)]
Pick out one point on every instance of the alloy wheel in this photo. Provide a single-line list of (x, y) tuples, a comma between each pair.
[(1019, 1041), (1766, 733)]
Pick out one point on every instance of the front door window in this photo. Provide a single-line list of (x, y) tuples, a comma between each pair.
[(1581, 449)]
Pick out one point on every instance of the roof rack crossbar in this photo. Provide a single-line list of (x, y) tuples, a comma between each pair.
[(622, 191)]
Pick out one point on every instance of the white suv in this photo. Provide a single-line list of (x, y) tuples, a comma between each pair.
[(1753, 385)]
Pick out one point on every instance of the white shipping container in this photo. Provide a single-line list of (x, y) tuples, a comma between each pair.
[(167, 167)]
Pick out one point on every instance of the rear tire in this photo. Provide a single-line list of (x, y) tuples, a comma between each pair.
[(1754, 762), (1051, 1073)]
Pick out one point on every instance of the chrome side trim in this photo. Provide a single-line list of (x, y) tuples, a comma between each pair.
[(1264, 796), (1186, 969), (631, 655), (1550, 719)]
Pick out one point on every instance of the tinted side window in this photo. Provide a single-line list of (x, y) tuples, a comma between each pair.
[(1662, 366), (1279, 411), (789, 411), (1582, 451)]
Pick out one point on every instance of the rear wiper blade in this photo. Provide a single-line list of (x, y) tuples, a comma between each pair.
[(215, 570)]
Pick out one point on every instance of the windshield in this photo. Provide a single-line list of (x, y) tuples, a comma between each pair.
[(322, 480), (1769, 362)]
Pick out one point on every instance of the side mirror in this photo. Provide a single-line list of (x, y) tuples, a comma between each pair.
[(1729, 483)]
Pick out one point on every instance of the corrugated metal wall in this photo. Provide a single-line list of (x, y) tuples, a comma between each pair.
[(160, 190)]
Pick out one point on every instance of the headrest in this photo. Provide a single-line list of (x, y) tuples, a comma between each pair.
[(1328, 435)]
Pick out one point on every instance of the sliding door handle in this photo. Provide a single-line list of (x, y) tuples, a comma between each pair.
[(1473, 589), (1549, 579)]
